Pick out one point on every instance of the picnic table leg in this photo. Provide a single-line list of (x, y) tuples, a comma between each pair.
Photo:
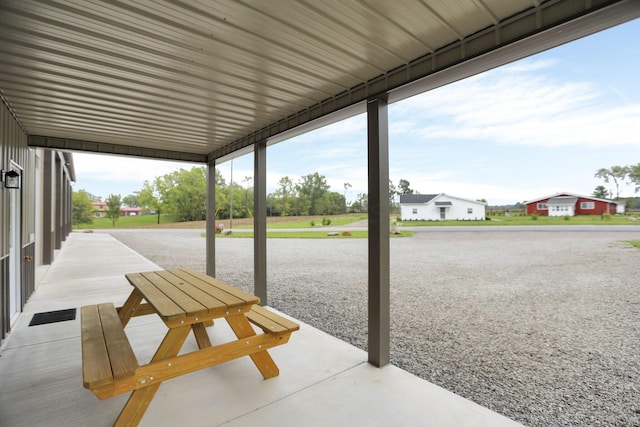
[(140, 399), (263, 361), (202, 337), (129, 308)]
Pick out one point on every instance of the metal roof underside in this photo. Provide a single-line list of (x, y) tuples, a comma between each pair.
[(198, 80)]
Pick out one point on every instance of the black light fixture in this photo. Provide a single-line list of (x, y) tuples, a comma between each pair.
[(11, 179)]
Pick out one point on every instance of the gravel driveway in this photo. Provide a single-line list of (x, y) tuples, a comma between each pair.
[(543, 327)]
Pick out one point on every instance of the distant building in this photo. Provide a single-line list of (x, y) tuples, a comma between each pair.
[(569, 204), (436, 207), (129, 211), (100, 210)]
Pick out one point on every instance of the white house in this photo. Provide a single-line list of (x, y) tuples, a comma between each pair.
[(436, 207)]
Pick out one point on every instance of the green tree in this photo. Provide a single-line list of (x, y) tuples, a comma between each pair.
[(283, 196), (311, 190), (393, 192), (248, 196), (332, 203), (94, 198), (82, 207), (634, 176), (356, 206), (114, 203), (235, 192), (183, 194), (361, 203), (600, 192), (617, 174), (149, 199), (132, 200), (404, 187), (222, 195)]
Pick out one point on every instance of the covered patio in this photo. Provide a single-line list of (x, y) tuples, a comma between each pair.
[(323, 381), (204, 82)]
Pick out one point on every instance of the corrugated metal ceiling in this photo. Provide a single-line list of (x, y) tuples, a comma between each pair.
[(208, 77)]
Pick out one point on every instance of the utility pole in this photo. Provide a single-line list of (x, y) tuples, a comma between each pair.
[(346, 187)]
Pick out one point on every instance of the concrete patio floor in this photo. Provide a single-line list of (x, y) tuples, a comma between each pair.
[(323, 381)]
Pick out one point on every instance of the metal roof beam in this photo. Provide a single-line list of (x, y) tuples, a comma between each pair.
[(114, 149)]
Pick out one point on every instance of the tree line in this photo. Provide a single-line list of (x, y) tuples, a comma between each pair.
[(621, 177), (182, 196)]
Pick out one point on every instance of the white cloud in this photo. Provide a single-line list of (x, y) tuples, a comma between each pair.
[(120, 169), (530, 65), (517, 106)]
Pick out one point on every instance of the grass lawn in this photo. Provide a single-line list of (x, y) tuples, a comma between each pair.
[(635, 243), (316, 230), (306, 235), (296, 222), (528, 220), (126, 222)]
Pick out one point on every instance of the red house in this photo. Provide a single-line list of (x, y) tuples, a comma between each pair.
[(100, 210), (568, 204), (129, 211)]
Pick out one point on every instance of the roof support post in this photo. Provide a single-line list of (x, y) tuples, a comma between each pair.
[(47, 207), (260, 221), (59, 200), (210, 254), (379, 259)]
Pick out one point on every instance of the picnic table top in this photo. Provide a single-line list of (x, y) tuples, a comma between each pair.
[(185, 294)]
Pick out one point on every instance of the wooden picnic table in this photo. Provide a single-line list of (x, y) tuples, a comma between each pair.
[(186, 301)]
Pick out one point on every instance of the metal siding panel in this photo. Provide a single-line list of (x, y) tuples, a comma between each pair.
[(4, 293), (4, 201)]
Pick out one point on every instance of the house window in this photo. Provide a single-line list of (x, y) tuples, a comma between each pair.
[(587, 205), (469, 210), (414, 211), (542, 206)]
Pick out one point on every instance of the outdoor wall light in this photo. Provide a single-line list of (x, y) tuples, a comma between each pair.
[(11, 179)]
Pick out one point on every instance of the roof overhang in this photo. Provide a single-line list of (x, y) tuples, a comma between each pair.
[(202, 81), (570, 201)]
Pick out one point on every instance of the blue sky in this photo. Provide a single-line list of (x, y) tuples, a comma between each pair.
[(538, 126)]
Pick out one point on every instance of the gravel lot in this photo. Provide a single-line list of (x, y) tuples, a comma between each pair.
[(543, 327)]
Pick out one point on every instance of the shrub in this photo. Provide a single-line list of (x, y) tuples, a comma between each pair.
[(567, 217), (606, 216), (534, 216), (326, 221), (313, 223)]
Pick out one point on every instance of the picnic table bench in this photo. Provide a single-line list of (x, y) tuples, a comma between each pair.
[(186, 301)]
